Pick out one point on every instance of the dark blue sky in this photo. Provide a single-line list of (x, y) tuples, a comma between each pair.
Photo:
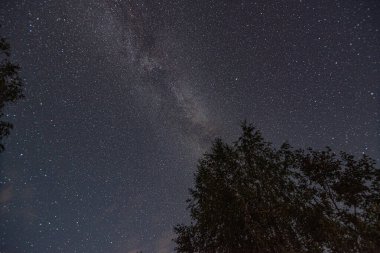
[(123, 97)]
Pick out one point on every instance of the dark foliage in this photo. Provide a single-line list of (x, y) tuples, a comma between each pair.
[(10, 87), (251, 197)]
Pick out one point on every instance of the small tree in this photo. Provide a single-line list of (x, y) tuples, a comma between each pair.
[(10, 87), (250, 197)]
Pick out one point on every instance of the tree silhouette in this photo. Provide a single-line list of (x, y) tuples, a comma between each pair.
[(10, 87), (251, 197)]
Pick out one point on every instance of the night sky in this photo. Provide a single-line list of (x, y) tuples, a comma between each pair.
[(123, 97)]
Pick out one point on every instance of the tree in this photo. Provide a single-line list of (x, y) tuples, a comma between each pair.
[(251, 197), (10, 87)]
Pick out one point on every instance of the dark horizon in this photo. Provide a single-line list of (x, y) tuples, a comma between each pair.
[(123, 97)]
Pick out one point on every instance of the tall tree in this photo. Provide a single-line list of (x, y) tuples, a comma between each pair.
[(10, 87), (251, 197)]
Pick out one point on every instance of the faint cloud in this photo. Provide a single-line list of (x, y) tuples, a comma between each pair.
[(165, 243), (6, 194), (134, 251), (130, 245)]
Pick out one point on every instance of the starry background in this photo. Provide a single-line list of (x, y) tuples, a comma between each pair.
[(123, 97)]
